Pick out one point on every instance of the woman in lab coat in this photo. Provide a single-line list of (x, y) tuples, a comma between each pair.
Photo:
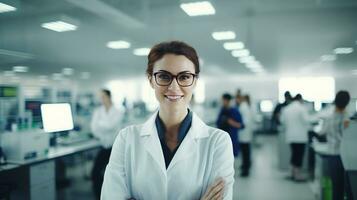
[(246, 135), (174, 154), (295, 120)]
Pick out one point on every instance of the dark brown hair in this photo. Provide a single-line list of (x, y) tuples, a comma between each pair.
[(107, 92), (342, 99), (172, 47)]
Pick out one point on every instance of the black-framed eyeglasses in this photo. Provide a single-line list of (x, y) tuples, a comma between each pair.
[(183, 79)]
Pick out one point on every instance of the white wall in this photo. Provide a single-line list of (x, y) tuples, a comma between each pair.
[(348, 83), (258, 87)]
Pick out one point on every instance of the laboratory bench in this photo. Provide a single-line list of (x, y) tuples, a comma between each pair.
[(35, 178)]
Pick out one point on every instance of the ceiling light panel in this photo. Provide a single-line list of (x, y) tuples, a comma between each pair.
[(198, 8), (224, 35), (59, 26), (248, 59), (240, 53), (20, 69), (141, 51), (254, 65), (120, 44), (328, 58), (6, 8), (343, 50), (233, 45)]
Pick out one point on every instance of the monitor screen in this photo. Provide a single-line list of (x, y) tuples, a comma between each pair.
[(8, 91), (56, 117)]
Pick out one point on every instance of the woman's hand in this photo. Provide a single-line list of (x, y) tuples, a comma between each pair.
[(215, 191)]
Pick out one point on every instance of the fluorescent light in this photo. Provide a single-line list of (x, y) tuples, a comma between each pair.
[(343, 50), (248, 59), (67, 71), (120, 44), (6, 8), (328, 58), (198, 8), (233, 45), (20, 69), (224, 35), (141, 51), (59, 26), (240, 53), (254, 65)]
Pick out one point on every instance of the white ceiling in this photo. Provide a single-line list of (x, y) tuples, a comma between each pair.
[(284, 35)]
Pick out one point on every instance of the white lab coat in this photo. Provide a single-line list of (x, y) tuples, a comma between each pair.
[(137, 167), (246, 134), (295, 121), (105, 125)]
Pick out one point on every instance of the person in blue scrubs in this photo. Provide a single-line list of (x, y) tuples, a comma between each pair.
[(230, 120)]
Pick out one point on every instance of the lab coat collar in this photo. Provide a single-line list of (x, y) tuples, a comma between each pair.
[(198, 127), (187, 148)]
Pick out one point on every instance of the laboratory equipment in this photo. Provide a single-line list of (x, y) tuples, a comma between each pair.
[(24, 145)]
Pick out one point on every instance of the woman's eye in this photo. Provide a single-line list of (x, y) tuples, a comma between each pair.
[(184, 77), (164, 77)]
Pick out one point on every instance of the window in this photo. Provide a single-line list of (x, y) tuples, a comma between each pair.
[(319, 89)]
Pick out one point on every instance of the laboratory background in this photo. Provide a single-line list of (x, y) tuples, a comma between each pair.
[(61, 60)]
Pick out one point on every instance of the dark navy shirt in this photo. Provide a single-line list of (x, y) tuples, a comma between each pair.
[(184, 127)]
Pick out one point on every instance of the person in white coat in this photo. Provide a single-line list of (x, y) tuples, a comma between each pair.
[(296, 122), (104, 126), (174, 154), (246, 135)]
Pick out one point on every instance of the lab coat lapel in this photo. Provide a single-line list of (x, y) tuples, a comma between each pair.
[(189, 145), (152, 143)]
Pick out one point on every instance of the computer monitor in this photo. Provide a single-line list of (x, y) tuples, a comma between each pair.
[(56, 117)]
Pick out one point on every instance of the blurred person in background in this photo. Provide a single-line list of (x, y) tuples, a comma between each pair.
[(333, 127), (230, 120), (105, 126), (278, 109), (246, 135), (295, 121)]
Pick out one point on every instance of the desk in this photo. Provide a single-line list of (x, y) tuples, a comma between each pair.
[(35, 178)]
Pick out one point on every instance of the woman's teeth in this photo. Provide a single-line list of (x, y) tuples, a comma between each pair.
[(173, 97)]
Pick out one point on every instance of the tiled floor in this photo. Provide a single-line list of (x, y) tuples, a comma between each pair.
[(266, 181)]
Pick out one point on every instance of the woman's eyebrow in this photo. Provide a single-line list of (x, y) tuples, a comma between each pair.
[(171, 73)]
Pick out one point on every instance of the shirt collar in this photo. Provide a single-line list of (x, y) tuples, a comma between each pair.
[(184, 127)]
